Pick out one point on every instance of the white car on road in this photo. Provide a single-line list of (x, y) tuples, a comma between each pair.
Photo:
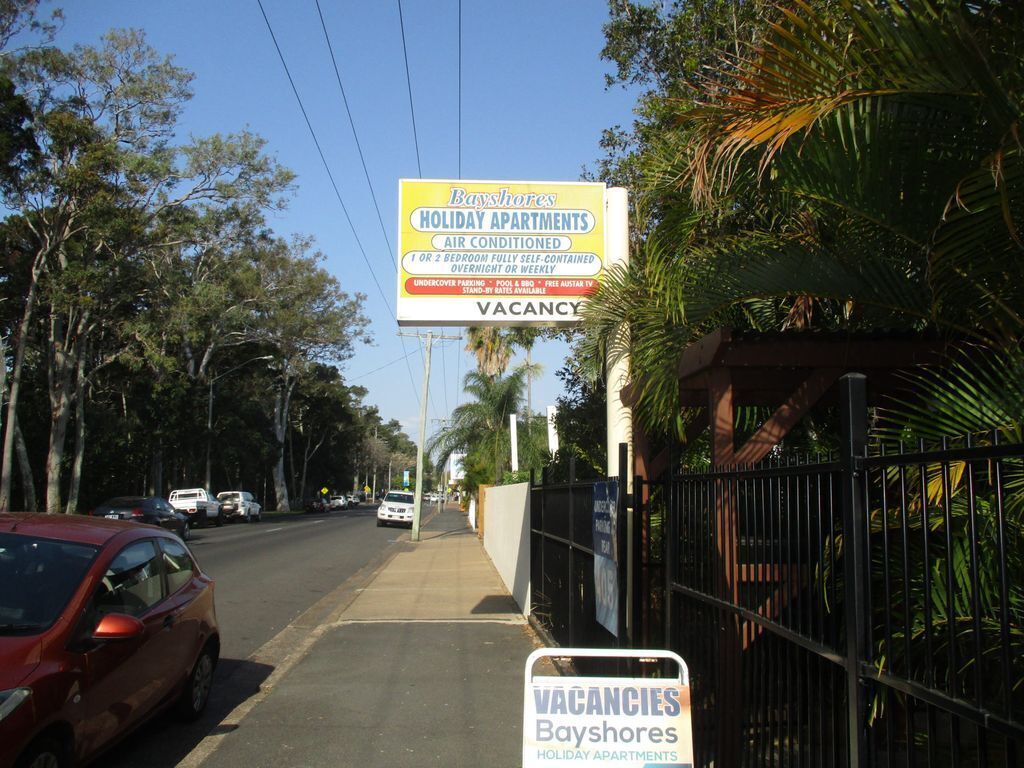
[(239, 505), (397, 508), (198, 504)]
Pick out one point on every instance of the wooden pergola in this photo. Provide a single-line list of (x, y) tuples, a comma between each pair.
[(788, 371)]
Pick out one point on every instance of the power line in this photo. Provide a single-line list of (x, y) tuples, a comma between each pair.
[(458, 352), (408, 82), (460, 89), (366, 172), (323, 159), (415, 135), (330, 175), (355, 135), (406, 356)]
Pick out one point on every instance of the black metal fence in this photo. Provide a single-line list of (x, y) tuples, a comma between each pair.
[(860, 612), (562, 562), (865, 610)]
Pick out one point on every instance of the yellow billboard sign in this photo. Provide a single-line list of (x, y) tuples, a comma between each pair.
[(498, 252)]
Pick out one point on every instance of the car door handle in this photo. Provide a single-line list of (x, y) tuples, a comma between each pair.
[(168, 621)]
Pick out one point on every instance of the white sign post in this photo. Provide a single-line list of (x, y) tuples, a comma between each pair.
[(606, 721), (514, 436), (552, 429)]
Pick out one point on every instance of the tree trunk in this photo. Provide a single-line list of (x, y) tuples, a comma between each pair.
[(60, 416), (76, 464), (280, 486), (305, 466), (20, 345), (529, 386), (3, 368), (66, 347), (156, 470), (497, 457), (292, 474), (281, 402), (28, 483)]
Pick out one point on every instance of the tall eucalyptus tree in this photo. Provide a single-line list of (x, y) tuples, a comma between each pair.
[(106, 171)]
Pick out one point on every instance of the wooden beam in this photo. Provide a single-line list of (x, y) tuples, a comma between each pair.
[(722, 415), (807, 350), (702, 354), (787, 415)]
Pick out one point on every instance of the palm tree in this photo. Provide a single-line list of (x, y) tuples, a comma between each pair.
[(491, 347), (860, 169), (480, 426), (525, 338), (857, 170)]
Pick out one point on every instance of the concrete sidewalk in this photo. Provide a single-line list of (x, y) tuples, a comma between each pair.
[(423, 668)]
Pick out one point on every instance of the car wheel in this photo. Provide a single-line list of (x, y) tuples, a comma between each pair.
[(186, 532), (219, 520), (197, 691), (44, 753), (380, 523)]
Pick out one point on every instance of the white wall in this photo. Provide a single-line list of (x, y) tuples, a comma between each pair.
[(507, 538)]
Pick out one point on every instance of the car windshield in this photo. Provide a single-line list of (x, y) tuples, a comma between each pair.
[(37, 578), (227, 497), (404, 498)]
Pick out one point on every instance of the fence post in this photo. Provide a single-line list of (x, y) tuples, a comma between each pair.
[(853, 435), (623, 550), (641, 582), (670, 545)]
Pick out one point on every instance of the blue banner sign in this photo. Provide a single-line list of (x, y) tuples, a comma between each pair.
[(606, 555)]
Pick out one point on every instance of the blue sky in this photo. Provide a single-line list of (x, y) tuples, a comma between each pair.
[(533, 107)]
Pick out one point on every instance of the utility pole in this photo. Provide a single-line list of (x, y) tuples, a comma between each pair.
[(423, 427), (374, 497)]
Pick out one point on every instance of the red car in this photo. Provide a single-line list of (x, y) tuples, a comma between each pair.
[(103, 624)]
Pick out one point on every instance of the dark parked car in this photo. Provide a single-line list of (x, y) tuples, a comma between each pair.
[(314, 505), (146, 509), (103, 624)]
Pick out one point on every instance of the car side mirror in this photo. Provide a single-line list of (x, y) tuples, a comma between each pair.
[(118, 626)]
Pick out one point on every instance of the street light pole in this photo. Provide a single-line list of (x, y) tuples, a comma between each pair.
[(209, 410)]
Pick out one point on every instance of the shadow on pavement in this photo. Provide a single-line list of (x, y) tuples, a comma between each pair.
[(164, 742), (496, 604)]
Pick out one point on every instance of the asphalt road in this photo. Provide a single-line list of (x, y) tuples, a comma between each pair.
[(274, 580)]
